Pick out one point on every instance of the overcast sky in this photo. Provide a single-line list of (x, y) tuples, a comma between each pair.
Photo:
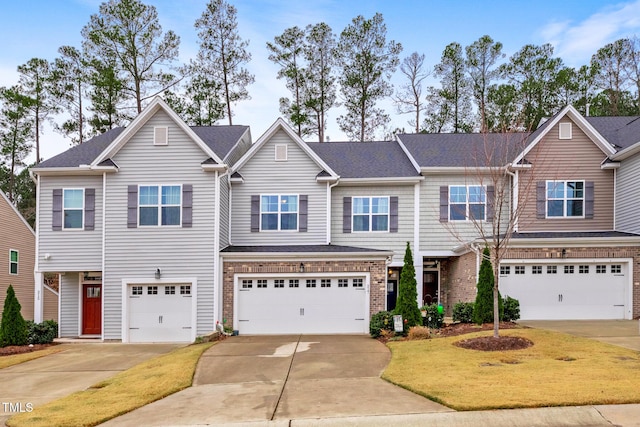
[(576, 28)]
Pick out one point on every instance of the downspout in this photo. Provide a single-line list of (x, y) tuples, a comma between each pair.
[(615, 196), (38, 307), (514, 197), (329, 187), (216, 248), (104, 241)]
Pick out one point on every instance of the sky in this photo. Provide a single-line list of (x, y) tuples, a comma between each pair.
[(576, 29)]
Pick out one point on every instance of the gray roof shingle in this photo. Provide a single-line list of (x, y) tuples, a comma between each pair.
[(621, 131), (298, 249), (378, 159), (221, 139), (464, 149), (571, 234)]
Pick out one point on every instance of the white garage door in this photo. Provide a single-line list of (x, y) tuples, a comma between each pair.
[(160, 313), (567, 291), (296, 305)]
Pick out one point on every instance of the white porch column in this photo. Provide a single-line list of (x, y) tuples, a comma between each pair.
[(38, 297), (418, 265)]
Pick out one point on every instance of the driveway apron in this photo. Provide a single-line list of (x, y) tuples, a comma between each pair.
[(249, 379)]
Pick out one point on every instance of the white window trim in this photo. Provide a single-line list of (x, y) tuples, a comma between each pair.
[(73, 209), (566, 126), (286, 152), (564, 199), (157, 129), (370, 214), (17, 263), (159, 206), (466, 203), (279, 213)]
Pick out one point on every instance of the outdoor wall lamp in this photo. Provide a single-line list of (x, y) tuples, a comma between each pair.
[(564, 253), (301, 268), (390, 272), (158, 273)]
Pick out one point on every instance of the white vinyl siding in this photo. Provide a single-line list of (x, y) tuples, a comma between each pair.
[(263, 175), (396, 242), (69, 304), (136, 253), (73, 250), (628, 195), (224, 212)]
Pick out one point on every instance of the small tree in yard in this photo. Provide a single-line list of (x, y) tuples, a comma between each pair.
[(483, 308), (13, 328), (407, 304)]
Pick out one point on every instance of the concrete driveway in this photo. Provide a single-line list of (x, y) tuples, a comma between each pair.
[(249, 379), (75, 368), (624, 333)]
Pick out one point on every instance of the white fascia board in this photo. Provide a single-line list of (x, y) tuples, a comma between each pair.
[(457, 170), (408, 154), (437, 254), (610, 165), (82, 170), (306, 256), (214, 168), (141, 119), (582, 123), (573, 242), (277, 125), (246, 133), (381, 181), (627, 152)]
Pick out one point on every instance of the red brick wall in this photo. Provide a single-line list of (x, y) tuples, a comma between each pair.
[(458, 280), (377, 270)]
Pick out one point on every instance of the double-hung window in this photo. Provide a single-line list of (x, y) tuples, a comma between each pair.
[(370, 214), (13, 261), (467, 202), (159, 204), (278, 212), (565, 199), (73, 208)]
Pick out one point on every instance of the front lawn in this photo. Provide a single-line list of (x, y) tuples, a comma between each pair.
[(557, 370), (122, 393), (14, 359)]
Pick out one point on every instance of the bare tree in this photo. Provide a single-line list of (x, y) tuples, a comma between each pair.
[(408, 98)]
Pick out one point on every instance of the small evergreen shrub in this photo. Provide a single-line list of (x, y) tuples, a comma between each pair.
[(419, 333), (483, 308), (381, 321), (434, 319), (13, 328), (407, 304), (463, 312), (42, 333), (511, 309)]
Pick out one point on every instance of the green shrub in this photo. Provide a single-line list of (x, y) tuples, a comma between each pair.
[(511, 309), (407, 304), (381, 321), (483, 308), (42, 333), (463, 312), (13, 328), (434, 319)]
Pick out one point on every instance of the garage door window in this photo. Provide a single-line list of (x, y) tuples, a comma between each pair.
[(601, 269), (343, 283), (247, 284), (311, 283), (185, 290), (616, 269), (505, 269), (536, 269), (552, 269), (325, 283), (262, 283), (294, 283), (278, 283), (152, 290), (358, 283), (519, 269), (136, 290), (583, 269), (568, 269), (169, 290)]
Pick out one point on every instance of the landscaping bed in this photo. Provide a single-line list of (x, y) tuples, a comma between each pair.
[(20, 349)]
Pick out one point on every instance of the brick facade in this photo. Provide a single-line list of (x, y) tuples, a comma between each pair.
[(377, 270), (458, 280)]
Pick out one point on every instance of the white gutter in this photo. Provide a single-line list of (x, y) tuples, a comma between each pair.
[(104, 242), (216, 247), (329, 187), (38, 307)]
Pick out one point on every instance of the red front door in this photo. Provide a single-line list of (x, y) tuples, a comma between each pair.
[(91, 309)]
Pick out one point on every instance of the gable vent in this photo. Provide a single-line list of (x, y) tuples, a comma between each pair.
[(161, 135), (565, 131), (281, 152)]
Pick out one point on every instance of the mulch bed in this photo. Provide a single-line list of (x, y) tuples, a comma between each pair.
[(19, 349), (501, 343)]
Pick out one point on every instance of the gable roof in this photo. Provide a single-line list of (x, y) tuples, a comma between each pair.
[(460, 150), (82, 154), (221, 139), (569, 111), (379, 159), (621, 131), (13, 207), (280, 124)]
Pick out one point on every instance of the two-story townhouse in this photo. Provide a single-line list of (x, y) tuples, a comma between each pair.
[(17, 252), (131, 221)]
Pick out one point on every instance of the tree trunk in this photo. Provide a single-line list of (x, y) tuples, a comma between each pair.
[(496, 303)]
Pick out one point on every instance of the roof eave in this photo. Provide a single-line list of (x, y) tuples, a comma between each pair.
[(214, 167), (627, 152), (308, 256), (574, 241), (457, 169), (382, 180)]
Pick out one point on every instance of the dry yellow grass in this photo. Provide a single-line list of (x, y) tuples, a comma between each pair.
[(130, 389), (6, 361), (557, 370)]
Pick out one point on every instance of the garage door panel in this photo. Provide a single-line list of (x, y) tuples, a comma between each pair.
[(320, 306), (576, 290)]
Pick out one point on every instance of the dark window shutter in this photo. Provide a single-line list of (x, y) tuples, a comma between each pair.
[(393, 214), (541, 200), (491, 200), (132, 206), (89, 208), (187, 205), (588, 200), (255, 214), (302, 214), (444, 203), (346, 214), (56, 218)]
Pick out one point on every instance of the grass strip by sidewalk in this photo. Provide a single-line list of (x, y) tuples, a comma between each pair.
[(122, 393), (558, 370), (6, 361)]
